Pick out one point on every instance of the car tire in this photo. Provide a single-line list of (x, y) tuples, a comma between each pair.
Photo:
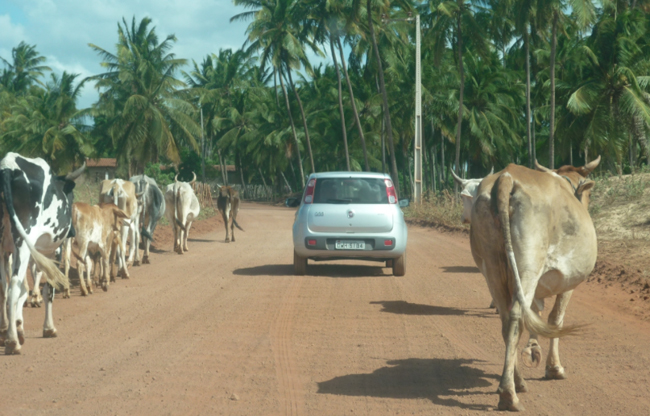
[(399, 265), (299, 264)]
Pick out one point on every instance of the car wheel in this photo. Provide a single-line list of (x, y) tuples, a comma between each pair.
[(299, 264), (399, 265)]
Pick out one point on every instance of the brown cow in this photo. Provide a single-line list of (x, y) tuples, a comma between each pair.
[(228, 205), (97, 229), (533, 238)]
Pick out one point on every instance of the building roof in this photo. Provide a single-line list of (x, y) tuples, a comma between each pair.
[(101, 163)]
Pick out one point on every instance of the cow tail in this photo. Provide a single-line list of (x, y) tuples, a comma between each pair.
[(52, 273), (177, 199), (532, 321), (236, 225)]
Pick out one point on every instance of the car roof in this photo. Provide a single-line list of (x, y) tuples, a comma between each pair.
[(348, 174)]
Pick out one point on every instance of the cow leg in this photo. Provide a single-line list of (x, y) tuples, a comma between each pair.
[(107, 261), (187, 234), (49, 331), (554, 369), (511, 331), (66, 253), (122, 253), (532, 354), (135, 248), (82, 266), (89, 273), (36, 299), (5, 272), (232, 229), (145, 255), (14, 293), (226, 220)]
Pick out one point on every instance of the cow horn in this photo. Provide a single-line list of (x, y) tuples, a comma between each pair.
[(457, 178), (589, 167), (75, 174), (139, 194), (541, 168), (491, 171), (176, 178), (193, 180)]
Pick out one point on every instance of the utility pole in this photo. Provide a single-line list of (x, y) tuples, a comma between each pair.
[(202, 149), (417, 140)]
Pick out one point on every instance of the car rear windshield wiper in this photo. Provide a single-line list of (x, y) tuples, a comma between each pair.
[(339, 201)]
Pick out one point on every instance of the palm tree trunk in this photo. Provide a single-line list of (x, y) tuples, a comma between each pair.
[(354, 107), (224, 173), (275, 87), (528, 132), (382, 85), (241, 175), (343, 127), (551, 147), (304, 120), (461, 70), (293, 129)]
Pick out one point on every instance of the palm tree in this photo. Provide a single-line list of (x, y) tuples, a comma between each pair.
[(145, 115), (275, 32), (24, 70), (553, 13), (47, 124)]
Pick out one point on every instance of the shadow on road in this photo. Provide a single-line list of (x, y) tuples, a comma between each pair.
[(438, 380), (198, 240), (405, 308), (325, 270), (460, 269)]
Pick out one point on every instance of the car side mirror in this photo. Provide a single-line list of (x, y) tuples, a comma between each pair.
[(403, 203)]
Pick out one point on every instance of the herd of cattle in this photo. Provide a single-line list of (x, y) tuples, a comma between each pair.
[(531, 236), (38, 219)]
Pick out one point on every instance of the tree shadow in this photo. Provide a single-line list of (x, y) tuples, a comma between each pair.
[(415, 378), (460, 269), (401, 307)]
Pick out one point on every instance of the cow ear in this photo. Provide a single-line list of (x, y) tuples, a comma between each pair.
[(68, 186), (583, 187)]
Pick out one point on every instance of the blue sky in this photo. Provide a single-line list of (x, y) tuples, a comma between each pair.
[(62, 29)]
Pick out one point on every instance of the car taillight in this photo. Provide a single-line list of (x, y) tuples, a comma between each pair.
[(390, 191), (309, 192), (311, 242), (388, 242)]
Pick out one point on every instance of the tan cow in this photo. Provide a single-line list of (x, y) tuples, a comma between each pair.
[(228, 205), (532, 237), (122, 193), (97, 230)]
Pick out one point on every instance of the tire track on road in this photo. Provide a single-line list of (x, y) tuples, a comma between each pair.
[(281, 331)]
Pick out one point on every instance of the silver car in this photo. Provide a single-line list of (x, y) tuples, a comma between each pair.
[(350, 215)]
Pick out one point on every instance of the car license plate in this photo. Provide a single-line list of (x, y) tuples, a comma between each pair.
[(350, 245)]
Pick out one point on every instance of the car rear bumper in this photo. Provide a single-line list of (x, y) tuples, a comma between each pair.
[(375, 245)]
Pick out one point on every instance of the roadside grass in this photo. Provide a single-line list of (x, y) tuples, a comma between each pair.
[(443, 210)]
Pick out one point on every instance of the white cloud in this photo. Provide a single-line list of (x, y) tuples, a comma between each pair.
[(62, 29)]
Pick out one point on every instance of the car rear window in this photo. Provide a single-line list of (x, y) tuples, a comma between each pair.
[(350, 191)]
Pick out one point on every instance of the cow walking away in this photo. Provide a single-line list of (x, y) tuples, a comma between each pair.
[(228, 205), (153, 209), (181, 209), (97, 230), (35, 218), (532, 237), (122, 193)]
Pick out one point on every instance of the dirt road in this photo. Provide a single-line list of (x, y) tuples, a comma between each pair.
[(226, 329)]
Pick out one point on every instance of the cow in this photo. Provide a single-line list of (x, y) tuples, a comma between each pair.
[(97, 230), (122, 193), (228, 205), (468, 189), (532, 237), (35, 218), (153, 208), (182, 207)]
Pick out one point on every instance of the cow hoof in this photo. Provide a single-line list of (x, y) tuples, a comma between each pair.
[(145, 260), (509, 402), (124, 274), (3, 337), (84, 293), (555, 373), (12, 348), (21, 337), (105, 287), (49, 333), (66, 294), (532, 356), (136, 263), (521, 387)]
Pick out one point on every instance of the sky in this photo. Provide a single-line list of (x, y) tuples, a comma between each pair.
[(62, 30)]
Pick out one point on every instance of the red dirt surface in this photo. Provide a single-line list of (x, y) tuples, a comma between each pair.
[(227, 329)]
